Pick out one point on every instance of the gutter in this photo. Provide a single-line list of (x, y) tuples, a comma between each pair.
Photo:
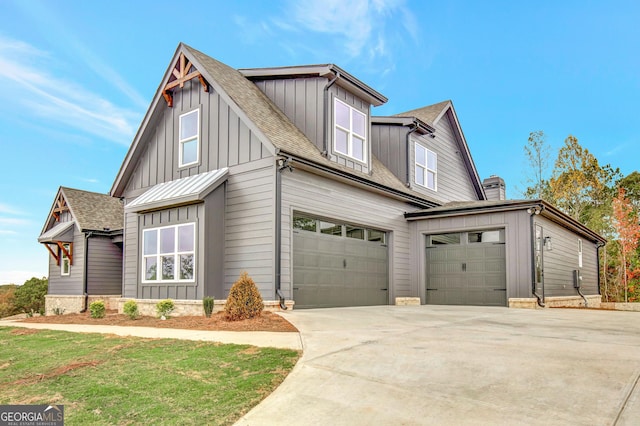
[(325, 118), (599, 245), (533, 212)]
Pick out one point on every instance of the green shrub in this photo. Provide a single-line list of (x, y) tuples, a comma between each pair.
[(207, 304), (244, 299), (165, 307), (29, 297), (97, 309), (130, 309)]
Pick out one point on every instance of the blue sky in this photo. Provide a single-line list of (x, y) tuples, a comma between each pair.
[(77, 77)]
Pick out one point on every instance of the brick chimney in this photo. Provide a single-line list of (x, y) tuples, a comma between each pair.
[(494, 188)]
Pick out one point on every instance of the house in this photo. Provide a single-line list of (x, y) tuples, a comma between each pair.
[(285, 173), (83, 234)]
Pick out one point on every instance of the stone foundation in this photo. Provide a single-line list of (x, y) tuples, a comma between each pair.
[(407, 301), (63, 304), (616, 306), (556, 302), (147, 307), (594, 301), (523, 303)]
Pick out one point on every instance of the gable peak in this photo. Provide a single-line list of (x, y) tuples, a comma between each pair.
[(182, 71)]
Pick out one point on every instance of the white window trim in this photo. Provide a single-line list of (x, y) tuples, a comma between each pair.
[(425, 168), (183, 141), (579, 253), (176, 254), (351, 133), (64, 259)]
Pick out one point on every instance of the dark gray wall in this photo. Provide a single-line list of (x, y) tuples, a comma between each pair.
[(389, 145), (562, 260), (319, 196), (104, 274), (517, 244), (73, 284), (301, 99), (224, 140), (130, 258), (213, 228)]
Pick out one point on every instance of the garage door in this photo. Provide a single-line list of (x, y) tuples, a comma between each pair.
[(466, 268), (337, 264)]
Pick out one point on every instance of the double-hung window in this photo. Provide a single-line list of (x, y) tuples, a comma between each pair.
[(350, 131), (426, 167), (189, 135), (65, 261), (168, 253)]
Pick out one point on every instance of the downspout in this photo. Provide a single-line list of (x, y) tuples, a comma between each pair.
[(412, 129), (532, 212), (599, 245), (85, 267), (282, 163), (586, 304), (325, 118)]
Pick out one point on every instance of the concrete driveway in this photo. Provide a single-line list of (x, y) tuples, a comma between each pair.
[(410, 365)]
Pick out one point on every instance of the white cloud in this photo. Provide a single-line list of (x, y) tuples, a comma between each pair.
[(19, 277), (13, 221), (58, 99), (7, 209), (361, 25), (7, 232)]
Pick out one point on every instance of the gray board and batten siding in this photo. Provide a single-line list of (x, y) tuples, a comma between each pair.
[(516, 225), (72, 284), (224, 140), (236, 228), (302, 101), (317, 196)]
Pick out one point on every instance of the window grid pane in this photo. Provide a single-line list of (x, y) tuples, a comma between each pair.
[(189, 151), (189, 125), (350, 131), (170, 249)]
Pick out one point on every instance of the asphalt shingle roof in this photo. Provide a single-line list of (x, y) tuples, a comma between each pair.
[(277, 127), (94, 211), (428, 114)]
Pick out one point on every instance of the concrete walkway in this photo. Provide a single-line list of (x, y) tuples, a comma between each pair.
[(255, 338), (421, 365)]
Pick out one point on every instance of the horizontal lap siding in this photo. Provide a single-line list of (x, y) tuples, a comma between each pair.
[(562, 260), (249, 229), (105, 267), (73, 284), (453, 177), (517, 244), (312, 194)]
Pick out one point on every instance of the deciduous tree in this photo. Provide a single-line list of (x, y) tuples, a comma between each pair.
[(628, 230)]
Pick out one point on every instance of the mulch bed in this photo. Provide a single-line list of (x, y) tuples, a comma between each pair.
[(267, 321)]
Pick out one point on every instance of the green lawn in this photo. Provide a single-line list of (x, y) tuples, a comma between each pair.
[(102, 379)]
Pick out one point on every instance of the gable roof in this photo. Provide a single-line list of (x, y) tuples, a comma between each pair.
[(432, 114), (91, 211), (265, 119), (464, 208)]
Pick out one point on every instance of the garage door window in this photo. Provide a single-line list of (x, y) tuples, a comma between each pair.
[(305, 223), (494, 236), (440, 239)]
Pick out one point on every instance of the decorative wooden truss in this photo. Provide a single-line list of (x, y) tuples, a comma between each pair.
[(181, 73), (60, 245), (60, 207)]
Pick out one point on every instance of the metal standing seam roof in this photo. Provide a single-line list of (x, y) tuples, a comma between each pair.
[(180, 191), (55, 232)]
